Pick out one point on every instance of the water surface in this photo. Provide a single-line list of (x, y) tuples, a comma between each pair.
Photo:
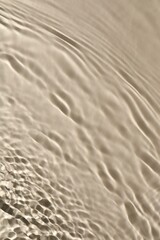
[(79, 120)]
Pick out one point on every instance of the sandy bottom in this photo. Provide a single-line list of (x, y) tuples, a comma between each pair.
[(79, 120)]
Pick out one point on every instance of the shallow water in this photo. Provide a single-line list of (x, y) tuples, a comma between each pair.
[(79, 119)]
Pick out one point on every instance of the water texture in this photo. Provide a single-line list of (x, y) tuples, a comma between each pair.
[(79, 120)]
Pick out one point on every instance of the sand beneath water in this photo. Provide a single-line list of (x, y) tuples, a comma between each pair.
[(79, 120)]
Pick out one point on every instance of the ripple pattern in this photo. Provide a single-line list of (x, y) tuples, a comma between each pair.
[(79, 120)]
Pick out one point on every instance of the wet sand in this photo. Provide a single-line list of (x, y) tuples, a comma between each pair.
[(79, 120)]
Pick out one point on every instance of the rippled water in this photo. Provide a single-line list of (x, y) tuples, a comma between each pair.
[(80, 119)]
